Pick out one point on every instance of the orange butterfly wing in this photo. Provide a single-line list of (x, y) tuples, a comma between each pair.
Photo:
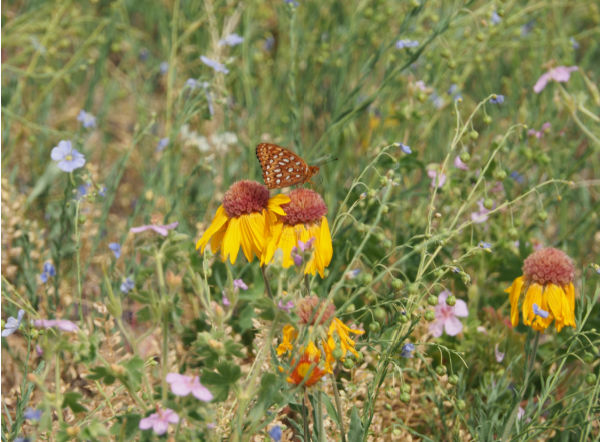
[(281, 167)]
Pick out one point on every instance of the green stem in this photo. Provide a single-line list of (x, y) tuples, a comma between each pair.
[(320, 416), (267, 286), (164, 312), (78, 262), (57, 398), (305, 416), (338, 405)]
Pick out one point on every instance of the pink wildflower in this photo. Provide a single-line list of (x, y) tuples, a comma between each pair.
[(482, 215), (61, 324), (499, 355), (159, 421), (182, 385), (446, 317), (160, 229), (459, 164), (437, 179), (559, 74)]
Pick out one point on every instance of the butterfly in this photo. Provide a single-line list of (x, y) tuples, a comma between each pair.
[(281, 167)]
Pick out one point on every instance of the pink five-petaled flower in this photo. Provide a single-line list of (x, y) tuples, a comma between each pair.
[(159, 421), (61, 324), (160, 229), (437, 179), (560, 74), (240, 284), (482, 215), (459, 164), (446, 316), (182, 385)]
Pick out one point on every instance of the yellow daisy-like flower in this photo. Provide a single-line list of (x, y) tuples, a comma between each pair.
[(304, 227), (549, 292), (245, 219)]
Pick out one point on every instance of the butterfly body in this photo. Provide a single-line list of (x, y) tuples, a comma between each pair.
[(281, 167)]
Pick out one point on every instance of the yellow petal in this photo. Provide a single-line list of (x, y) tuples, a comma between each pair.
[(272, 243), (274, 204), (532, 296), (246, 236), (570, 294), (287, 242), (514, 292), (217, 223), (554, 294), (232, 239)]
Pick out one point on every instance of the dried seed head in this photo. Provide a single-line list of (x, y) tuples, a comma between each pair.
[(245, 197), (306, 206), (310, 308), (549, 266)]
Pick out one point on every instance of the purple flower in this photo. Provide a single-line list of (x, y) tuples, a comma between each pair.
[(162, 143), (458, 163), (435, 180), (12, 324), (158, 228), (496, 18), (540, 133), (482, 215), (82, 190), (159, 421), (407, 350), (406, 43), (539, 312), (499, 355), (517, 177), (406, 149), (48, 272), (275, 433), (87, 119), (33, 415), (287, 307), (240, 284), (306, 246), (231, 40), (225, 300), (497, 99), (68, 158), (182, 385), (218, 67), (102, 191), (61, 324), (269, 43), (352, 273), (485, 246), (574, 43), (116, 248), (127, 285), (296, 257), (164, 67), (192, 83), (520, 413), (559, 74), (446, 316), (293, 3)]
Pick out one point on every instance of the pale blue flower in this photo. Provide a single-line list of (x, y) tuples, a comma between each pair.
[(539, 312), (12, 324), (47, 272), (116, 248), (33, 415), (485, 246), (407, 350), (218, 67), (164, 67), (497, 99), (127, 285), (405, 43), (275, 433), (406, 149), (192, 83), (496, 18), (574, 43), (231, 40), (87, 119), (162, 143), (68, 158)]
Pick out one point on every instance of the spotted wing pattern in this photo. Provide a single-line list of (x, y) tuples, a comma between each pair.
[(282, 168)]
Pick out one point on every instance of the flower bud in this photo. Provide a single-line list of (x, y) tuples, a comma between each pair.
[(461, 405), (374, 327), (397, 284), (405, 397), (488, 203), (337, 353), (380, 314), (453, 379), (473, 134), (465, 157), (348, 363), (429, 316), (590, 379), (542, 215), (440, 370), (451, 300), (432, 300), (588, 357), (500, 174)]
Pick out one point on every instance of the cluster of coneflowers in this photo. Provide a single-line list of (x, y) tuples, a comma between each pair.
[(296, 225)]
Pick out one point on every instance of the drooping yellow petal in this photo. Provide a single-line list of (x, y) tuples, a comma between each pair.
[(514, 292), (246, 237), (532, 296), (570, 294), (217, 223), (232, 240), (287, 241), (554, 295), (271, 243), (216, 242), (289, 335)]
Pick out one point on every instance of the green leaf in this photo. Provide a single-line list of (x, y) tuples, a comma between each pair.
[(355, 434), (71, 400)]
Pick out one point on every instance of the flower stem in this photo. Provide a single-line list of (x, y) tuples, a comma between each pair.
[(529, 368), (307, 284), (305, 415), (338, 405), (164, 312), (320, 416), (57, 399), (267, 286), (78, 262)]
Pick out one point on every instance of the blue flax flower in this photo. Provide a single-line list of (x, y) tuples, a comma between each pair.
[(218, 67), (275, 433), (406, 149), (497, 99), (162, 143), (32, 414), (538, 311), (405, 43), (47, 272), (407, 350), (87, 119), (116, 248), (127, 285), (231, 40), (68, 158), (12, 324)]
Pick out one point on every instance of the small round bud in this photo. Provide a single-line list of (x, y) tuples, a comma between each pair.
[(72, 431), (403, 318), (405, 388), (429, 316), (440, 370), (465, 157), (438, 273), (405, 397), (451, 64), (480, 36), (82, 219), (461, 405), (374, 327), (432, 300), (386, 243), (413, 288), (380, 314), (366, 278), (397, 284), (453, 379), (359, 358), (348, 364), (590, 379), (487, 119), (445, 53), (488, 203), (451, 300), (500, 174), (351, 308), (542, 215), (473, 134), (588, 357), (513, 233), (337, 353)]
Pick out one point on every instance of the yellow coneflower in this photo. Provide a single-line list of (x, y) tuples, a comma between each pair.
[(549, 292), (244, 219), (304, 226)]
